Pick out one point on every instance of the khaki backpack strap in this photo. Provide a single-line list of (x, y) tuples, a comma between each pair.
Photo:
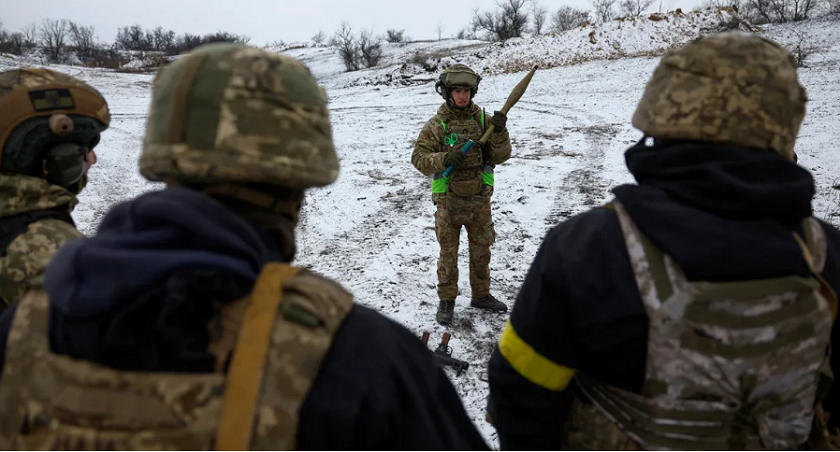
[(815, 263), (244, 382), (816, 241), (648, 263)]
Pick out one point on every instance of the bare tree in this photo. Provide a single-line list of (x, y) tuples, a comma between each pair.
[(53, 34), (439, 30), (348, 49), (802, 49), (539, 14), (185, 43), (82, 39), (777, 11), (634, 8), (567, 18), (30, 36), (394, 35), (603, 9), (509, 21), (319, 38), (225, 36), (162, 39), (370, 48), (133, 38), (10, 42), (792, 10), (759, 11), (469, 33)]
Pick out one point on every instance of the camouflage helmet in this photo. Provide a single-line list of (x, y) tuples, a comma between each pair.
[(48, 120), (455, 76), (729, 87), (232, 113)]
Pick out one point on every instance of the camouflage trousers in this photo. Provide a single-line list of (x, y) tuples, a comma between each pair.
[(472, 213)]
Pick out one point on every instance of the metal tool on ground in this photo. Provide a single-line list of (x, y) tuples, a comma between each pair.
[(512, 99), (443, 354)]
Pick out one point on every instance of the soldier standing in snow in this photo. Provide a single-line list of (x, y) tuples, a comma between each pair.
[(695, 310), (181, 324), (49, 124), (463, 198)]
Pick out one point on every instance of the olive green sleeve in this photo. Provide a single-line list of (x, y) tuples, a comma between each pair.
[(428, 152), (499, 145)]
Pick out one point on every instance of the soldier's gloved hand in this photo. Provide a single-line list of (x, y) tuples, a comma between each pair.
[(499, 120), (455, 159)]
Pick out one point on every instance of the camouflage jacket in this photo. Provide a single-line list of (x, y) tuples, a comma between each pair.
[(429, 149), (28, 254)]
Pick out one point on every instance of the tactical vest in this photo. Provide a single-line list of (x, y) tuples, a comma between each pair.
[(732, 365), (466, 181), (48, 401)]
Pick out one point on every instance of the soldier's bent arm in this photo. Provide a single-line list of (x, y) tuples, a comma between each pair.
[(531, 370), (428, 156), (499, 145)]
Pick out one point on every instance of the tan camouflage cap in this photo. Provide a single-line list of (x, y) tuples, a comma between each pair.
[(28, 93), (235, 113), (729, 87)]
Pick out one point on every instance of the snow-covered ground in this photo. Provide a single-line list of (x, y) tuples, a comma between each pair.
[(373, 229)]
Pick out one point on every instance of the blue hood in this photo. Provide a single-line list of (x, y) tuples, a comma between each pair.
[(141, 241)]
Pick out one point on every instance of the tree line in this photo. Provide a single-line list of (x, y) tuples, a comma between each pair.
[(61, 39)]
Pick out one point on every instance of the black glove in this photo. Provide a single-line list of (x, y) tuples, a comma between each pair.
[(455, 159), (499, 120)]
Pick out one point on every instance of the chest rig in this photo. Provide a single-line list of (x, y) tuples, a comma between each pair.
[(468, 180), (730, 365), (55, 402)]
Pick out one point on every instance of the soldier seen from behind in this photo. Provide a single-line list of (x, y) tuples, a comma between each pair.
[(463, 198), (181, 324), (49, 124), (695, 310)]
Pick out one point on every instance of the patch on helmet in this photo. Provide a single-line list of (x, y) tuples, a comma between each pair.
[(51, 99)]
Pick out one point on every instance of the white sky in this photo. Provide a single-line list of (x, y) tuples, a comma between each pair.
[(266, 20)]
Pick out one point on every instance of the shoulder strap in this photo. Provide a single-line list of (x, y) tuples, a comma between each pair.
[(15, 225), (814, 251), (244, 381), (442, 123)]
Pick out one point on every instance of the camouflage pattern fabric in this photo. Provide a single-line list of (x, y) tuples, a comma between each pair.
[(481, 234), (50, 402), (231, 91), (467, 198), (588, 429), (730, 87), (729, 365), (27, 255), (429, 149)]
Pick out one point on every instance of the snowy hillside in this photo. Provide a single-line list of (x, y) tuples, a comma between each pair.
[(374, 229), (415, 63)]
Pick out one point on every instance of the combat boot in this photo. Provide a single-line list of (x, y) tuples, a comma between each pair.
[(445, 312), (489, 303)]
